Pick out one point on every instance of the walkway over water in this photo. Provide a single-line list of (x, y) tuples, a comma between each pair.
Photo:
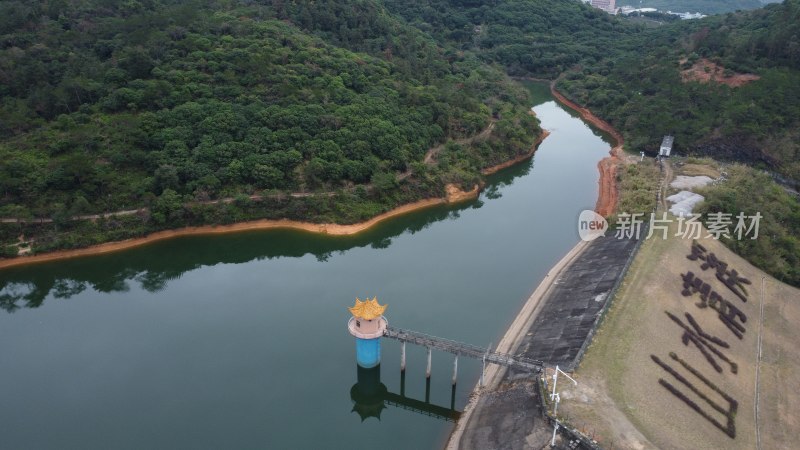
[(460, 348)]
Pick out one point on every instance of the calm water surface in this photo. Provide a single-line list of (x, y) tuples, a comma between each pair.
[(240, 341)]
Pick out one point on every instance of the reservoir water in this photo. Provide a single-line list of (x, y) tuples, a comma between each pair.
[(240, 341)]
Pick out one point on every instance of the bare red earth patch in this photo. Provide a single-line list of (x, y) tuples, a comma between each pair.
[(704, 71)]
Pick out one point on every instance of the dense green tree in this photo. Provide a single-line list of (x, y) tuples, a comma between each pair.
[(170, 105)]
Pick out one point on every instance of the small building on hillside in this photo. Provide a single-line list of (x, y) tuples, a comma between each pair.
[(666, 146), (608, 6)]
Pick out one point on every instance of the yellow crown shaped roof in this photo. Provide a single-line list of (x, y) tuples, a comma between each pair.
[(368, 309)]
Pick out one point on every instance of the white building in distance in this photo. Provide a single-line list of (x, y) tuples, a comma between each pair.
[(609, 6)]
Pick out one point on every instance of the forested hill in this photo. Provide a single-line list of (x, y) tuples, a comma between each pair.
[(648, 82), (750, 108), (109, 105), (528, 37), (325, 110)]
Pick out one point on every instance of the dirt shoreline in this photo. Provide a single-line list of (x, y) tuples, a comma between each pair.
[(607, 199), (608, 190), (454, 195)]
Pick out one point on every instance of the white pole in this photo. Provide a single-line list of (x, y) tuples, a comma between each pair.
[(428, 369), (555, 408), (555, 380), (403, 357), (555, 417), (554, 397), (483, 369), (455, 370)]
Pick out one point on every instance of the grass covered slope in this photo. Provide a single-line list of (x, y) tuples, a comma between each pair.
[(619, 398), (161, 104)]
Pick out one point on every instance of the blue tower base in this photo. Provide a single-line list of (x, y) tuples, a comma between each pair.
[(368, 352)]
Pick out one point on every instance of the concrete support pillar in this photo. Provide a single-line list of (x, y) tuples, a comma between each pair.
[(428, 368), (455, 370), (402, 384), (483, 369), (403, 357), (453, 398)]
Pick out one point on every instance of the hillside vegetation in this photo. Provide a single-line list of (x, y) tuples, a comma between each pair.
[(631, 75), (645, 97), (107, 106), (777, 248), (539, 38), (211, 111)]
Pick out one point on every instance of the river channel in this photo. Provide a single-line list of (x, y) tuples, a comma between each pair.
[(240, 341)]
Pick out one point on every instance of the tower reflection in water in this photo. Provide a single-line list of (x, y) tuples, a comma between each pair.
[(370, 397)]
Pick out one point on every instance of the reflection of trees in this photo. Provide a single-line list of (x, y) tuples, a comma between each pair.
[(381, 243), (67, 288), (31, 293), (149, 267), (8, 303), (323, 257), (29, 286), (9, 297), (152, 281), (492, 192)]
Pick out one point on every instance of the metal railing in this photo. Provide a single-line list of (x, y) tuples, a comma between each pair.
[(460, 348)]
